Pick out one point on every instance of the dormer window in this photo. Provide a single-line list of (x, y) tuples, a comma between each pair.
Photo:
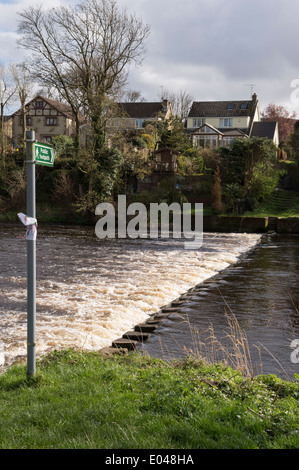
[(230, 106), (244, 106)]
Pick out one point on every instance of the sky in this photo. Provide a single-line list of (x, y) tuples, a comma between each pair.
[(212, 49)]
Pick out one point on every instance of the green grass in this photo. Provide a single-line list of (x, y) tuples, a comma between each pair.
[(84, 400)]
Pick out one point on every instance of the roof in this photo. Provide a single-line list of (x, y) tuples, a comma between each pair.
[(233, 132), (264, 129), (222, 108), (216, 131), (142, 109), (63, 108)]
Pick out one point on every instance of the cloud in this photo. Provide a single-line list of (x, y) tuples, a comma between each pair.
[(211, 48)]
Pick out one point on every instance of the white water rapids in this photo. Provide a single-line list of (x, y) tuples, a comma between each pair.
[(90, 292)]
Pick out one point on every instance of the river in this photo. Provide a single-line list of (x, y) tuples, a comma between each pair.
[(247, 315), (91, 291)]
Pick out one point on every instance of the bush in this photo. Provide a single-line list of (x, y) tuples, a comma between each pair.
[(264, 180)]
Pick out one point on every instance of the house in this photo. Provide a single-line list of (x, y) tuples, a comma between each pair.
[(266, 129), (211, 124), (48, 118), (132, 116)]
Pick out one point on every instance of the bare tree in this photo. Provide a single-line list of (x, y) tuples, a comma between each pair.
[(83, 51), (133, 96), (23, 84), (180, 101), (7, 91)]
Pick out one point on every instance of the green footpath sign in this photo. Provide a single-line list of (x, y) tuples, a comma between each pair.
[(43, 154)]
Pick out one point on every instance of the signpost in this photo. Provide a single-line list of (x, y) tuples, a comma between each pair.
[(41, 154), (44, 154)]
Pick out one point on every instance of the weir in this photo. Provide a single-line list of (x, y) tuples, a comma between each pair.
[(91, 292)]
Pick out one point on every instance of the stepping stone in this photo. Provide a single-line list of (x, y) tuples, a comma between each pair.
[(161, 316), (146, 327), (169, 309), (125, 343), (177, 303), (136, 336)]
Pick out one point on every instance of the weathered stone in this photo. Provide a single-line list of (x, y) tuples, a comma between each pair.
[(170, 309), (125, 343), (161, 316), (136, 336), (177, 303), (146, 327)]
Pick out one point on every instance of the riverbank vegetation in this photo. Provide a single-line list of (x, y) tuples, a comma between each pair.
[(245, 180), (82, 400)]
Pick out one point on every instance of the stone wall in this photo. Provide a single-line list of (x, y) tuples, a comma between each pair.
[(234, 224), (289, 225)]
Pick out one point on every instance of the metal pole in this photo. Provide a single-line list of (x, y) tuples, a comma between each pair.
[(31, 258)]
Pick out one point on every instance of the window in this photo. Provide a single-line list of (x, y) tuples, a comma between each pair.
[(205, 141), (244, 106), (51, 121), (48, 139), (197, 122), (139, 123), (227, 141), (39, 104), (230, 106), (28, 120), (226, 122)]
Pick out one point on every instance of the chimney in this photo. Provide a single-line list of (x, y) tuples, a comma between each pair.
[(254, 97), (165, 104)]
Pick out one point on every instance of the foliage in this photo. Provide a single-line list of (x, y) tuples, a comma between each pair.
[(196, 162), (216, 192), (294, 141), (249, 168), (285, 120), (100, 170), (172, 134), (264, 181), (63, 146)]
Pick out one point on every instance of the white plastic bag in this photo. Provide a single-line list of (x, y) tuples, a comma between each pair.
[(31, 226)]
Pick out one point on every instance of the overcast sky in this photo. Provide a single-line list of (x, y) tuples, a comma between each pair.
[(213, 49)]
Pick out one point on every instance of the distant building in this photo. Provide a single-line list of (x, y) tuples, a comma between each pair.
[(48, 118), (211, 124), (267, 129), (133, 116)]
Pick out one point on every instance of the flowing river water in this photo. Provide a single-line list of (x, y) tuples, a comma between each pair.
[(91, 291)]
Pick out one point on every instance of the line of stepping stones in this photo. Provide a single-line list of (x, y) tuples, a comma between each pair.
[(143, 331)]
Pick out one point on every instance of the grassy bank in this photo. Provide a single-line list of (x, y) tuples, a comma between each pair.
[(85, 400)]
